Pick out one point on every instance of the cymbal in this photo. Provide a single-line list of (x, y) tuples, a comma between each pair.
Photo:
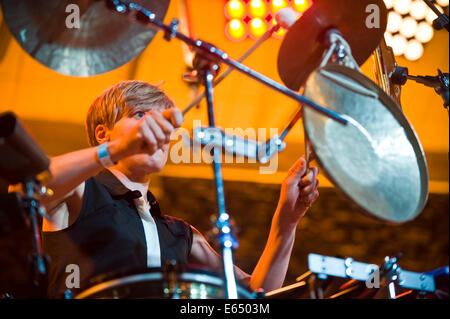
[(104, 41), (376, 160), (303, 46)]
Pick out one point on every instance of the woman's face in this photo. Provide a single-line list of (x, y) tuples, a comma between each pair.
[(140, 164)]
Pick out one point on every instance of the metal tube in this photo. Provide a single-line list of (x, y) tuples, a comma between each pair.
[(433, 7), (223, 218), (33, 208)]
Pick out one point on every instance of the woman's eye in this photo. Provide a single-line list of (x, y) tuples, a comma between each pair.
[(139, 114)]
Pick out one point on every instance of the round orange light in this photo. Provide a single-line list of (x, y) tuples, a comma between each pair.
[(301, 5), (257, 28), (236, 30), (235, 9), (278, 4), (257, 8)]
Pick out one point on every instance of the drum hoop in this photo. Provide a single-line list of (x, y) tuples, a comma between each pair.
[(118, 282), (190, 277)]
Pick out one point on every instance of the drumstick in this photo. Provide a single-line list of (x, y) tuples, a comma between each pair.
[(309, 157)]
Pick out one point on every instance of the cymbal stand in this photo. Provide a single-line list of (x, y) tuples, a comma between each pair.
[(389, 271), (38, 259), (339, 51), (207, 70), (317, 284)]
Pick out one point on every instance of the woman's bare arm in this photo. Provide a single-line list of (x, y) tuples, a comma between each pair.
[(298, 192)]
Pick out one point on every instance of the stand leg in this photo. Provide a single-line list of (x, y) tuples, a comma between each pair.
[(226, 239), (39, 267), (35, 228)]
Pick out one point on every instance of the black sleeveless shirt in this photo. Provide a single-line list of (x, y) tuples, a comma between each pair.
[(108, 236)]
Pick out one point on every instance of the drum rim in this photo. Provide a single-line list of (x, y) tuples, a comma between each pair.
[(157, 276)]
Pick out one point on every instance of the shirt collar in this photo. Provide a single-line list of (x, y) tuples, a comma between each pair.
[(119, 191)]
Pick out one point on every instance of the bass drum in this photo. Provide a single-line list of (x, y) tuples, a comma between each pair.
[(155, 284)]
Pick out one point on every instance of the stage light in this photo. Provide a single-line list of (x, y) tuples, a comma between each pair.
[(407, 20), (301, 5), (411, 20), (414, 50), (399, 44), (409, 27), (388, 38), (257, 8), (418, 10), (424, 32), (278, 4), (402, 6), (257, 28), (394, 22), (235, 9), (236, 30), (389, 4)]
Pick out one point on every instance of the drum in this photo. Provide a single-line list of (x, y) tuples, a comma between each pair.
[(155, 284)]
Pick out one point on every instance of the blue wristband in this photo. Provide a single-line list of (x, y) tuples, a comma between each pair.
[(103, 155)]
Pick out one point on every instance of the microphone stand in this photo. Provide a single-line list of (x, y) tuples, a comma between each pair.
[(439, 83), (206, 62)]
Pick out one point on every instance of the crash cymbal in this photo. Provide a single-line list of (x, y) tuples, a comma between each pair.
[(303, 47), (103, 40), (376, 160)]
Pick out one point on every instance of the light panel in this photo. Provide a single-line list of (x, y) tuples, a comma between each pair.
[(236, 30), (257, 16), (258, 8), (235, 9), (409, 26)]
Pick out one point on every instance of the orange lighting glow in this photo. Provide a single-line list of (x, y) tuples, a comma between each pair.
[(280, 33), (236, 30), (235, 9), (301, 5), (257, 8), (257, 28), (278, 4)]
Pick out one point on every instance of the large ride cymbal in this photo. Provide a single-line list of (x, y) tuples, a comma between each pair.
[(104, 41), (303, 47)]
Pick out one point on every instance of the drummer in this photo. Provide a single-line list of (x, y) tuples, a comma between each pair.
[(104, 219)]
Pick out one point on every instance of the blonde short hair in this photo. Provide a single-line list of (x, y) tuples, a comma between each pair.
[(123, 99)]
